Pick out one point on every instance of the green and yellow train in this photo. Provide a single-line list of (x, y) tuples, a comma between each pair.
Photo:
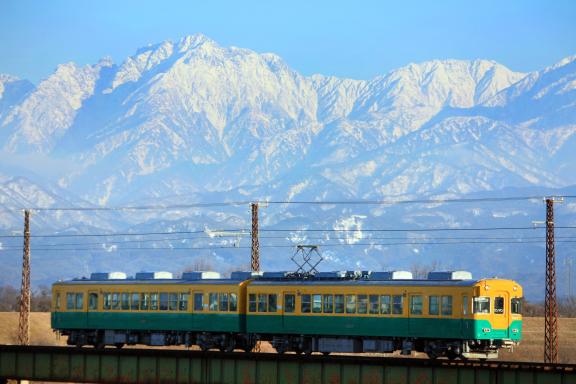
[(449, 314)]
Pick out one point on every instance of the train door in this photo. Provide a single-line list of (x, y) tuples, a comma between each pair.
[(465, 324), (91, 308), (501, 312), (288, 309), (416, 321)]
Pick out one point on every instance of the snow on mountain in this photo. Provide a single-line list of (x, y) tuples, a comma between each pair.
[(12, 91)]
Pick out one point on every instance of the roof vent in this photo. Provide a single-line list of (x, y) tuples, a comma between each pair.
[(245, 275), (450, 275), (391, 275), (153, 275), (200, 275), (108, 276), (331, 275)]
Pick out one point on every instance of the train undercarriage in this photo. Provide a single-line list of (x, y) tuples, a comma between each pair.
[(305, 344)]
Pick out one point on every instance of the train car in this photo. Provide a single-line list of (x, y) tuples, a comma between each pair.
[(152, 309), (442, 316), (449, 314)]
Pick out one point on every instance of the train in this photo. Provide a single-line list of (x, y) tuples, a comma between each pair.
[(448, 314)]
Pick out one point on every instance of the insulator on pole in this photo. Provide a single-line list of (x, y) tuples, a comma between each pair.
[(24, 323)]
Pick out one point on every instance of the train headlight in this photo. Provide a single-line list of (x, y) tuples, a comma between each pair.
[(486, 330), (514, 330)]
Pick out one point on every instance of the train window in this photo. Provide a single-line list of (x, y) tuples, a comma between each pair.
[(58, 300), (79, 301), (328, 304), (145, 301), (416, 305), (163, 301), (305, 306), (135, 302), (350, 303), (93, 301), (316, 303), (198, 301), (233, 302), (446, 305), (362, 304), (154, 301), (339, 303), (115, 300), (70, 297), (373, 304), (252, 302), (183, 301), (213, 301), (125, 300), (397, 305), (262, 302), (499, 305), (289, 303), (272, 302), (516, 306), (385, 307), (481, 305), (223, 302), (433, 305), (107, 300), (464, 305), (172, 301)]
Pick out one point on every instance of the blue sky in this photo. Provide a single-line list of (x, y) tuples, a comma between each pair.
[(358, 39)]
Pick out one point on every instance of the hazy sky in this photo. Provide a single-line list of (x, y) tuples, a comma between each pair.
[(358, 39)]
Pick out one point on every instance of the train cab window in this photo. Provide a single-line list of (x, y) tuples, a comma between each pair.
[(397, 305), (135, 301), (433, 305), (328, 304), (107, 301), (338, 303), (516, 306), (198, 302), (316, 303), (262, 302), (252, 302), (154, 301), (289, 303), (223, 300), (233, 302), (172, 301), (464, 305), (499, 305), (145, 301), (362, 304), (213, 301), (350, 303), (305, 305), (416, 305), (446, 305), (183, 301), (373, 299), (70, 297), (481, 305), (93, 301), (272, 302), (115, 301), (125, 300), (385, 307)]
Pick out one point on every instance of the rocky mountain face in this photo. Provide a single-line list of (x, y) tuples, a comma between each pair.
[(194, 121)]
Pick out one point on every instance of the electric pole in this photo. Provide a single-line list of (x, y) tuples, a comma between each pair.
[(255, 260), (550, 304), (24, 323)]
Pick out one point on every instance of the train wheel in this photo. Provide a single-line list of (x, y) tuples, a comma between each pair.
[(119, 345)]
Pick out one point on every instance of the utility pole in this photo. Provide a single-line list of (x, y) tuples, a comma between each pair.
[(550, 304), (255, 260), (24, 324)]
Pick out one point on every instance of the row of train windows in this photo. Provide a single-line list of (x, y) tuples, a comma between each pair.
[(141, 301), (217, 301)]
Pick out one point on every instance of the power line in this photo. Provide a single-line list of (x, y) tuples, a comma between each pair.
[(281, 202)]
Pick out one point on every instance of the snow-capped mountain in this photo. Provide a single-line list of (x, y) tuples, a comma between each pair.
[(194, 121)]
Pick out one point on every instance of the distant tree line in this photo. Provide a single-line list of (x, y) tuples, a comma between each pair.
[(40, 300)]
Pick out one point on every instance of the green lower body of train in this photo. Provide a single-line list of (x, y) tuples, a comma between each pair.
[(435, 336)]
